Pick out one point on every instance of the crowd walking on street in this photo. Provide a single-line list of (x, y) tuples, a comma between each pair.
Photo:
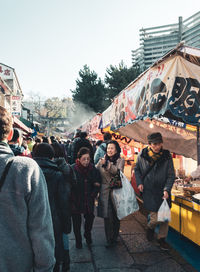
[(49, 190)]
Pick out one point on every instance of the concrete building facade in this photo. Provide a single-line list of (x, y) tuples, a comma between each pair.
[(157, 41)]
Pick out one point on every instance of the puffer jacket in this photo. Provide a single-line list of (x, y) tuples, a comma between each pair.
[(160, 178)]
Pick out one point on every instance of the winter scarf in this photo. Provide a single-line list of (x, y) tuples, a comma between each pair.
[(154, 156), (83, 170), (112, 159)]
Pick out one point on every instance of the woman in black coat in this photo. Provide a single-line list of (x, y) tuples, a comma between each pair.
[(83, 195), (59, 198)]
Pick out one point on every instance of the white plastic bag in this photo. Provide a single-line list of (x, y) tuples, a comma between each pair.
[(125, 199), (164, 212)]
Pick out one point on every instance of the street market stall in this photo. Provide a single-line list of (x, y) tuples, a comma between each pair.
[(166, 98)]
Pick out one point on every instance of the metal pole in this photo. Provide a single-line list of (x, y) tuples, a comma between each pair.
[(198, 146)]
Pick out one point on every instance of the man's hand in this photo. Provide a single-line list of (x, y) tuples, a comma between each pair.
[(140, 187), (165, 195)]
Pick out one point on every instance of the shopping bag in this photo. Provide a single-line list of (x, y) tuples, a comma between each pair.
[(125, 199), (164, 212)]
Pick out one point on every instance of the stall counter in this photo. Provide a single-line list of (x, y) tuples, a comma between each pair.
[(185, 218)]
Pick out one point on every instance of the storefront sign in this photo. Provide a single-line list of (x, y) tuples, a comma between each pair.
[(16, 105), (6, 72)]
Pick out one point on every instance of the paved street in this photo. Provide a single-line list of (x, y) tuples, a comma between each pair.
[(133, 252)]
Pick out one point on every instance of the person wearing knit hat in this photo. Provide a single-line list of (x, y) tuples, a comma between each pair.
[(154, 173)]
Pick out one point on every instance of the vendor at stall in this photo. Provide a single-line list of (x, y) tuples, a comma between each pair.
[(194, 175)]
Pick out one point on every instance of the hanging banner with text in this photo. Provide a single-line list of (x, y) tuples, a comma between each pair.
[(169, 89)]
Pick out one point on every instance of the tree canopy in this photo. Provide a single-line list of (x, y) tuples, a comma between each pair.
[(97, 94), (90, 90), (118, 77)]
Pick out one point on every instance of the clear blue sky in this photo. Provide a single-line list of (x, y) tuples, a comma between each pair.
[(49, 41)]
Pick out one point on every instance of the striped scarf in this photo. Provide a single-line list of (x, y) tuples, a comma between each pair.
[(154, 156)]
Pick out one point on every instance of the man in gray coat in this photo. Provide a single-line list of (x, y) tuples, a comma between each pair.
[(26, 232), (154, 173)]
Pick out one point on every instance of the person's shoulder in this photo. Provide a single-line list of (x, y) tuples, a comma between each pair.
[(25, 166), (73, 166), (166, 154), (144, 153), (103, 146), (24, 161)]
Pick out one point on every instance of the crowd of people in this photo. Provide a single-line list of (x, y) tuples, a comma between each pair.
[(48, 186)]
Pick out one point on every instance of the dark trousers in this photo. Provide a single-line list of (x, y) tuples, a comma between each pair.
[(111, 223), (76, 219)]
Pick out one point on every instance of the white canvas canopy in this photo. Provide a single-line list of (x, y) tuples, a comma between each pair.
[(170, 88)]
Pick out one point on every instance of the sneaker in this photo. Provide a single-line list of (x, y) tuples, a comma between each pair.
[(150, 234), (163, 245)]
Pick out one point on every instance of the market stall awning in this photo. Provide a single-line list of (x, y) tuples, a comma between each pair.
[(21, 125), (169, 88)]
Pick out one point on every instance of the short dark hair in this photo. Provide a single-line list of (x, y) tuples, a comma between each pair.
[(16, 135), (59, 152), (44, 150), (99, 142), (107, 136), (45, 139), (5, 123), (83, 134), (38, 140), (83, 151), (78, 133)]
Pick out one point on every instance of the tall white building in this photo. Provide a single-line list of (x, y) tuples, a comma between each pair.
[(156, 41)]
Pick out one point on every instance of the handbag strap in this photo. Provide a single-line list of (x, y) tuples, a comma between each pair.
[(4, 174), (148, 170)]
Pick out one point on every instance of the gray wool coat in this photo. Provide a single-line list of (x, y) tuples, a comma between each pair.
[(26, 231), (107, 174), (159, 179)]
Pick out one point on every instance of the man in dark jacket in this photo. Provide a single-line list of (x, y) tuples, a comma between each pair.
[(155, 176)]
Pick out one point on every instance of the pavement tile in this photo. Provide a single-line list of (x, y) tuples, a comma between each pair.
[(80, 255), (137, 242), (120, 270), (132, 227), (168, 265), (116, 257), (149, 258), (81, 267)]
